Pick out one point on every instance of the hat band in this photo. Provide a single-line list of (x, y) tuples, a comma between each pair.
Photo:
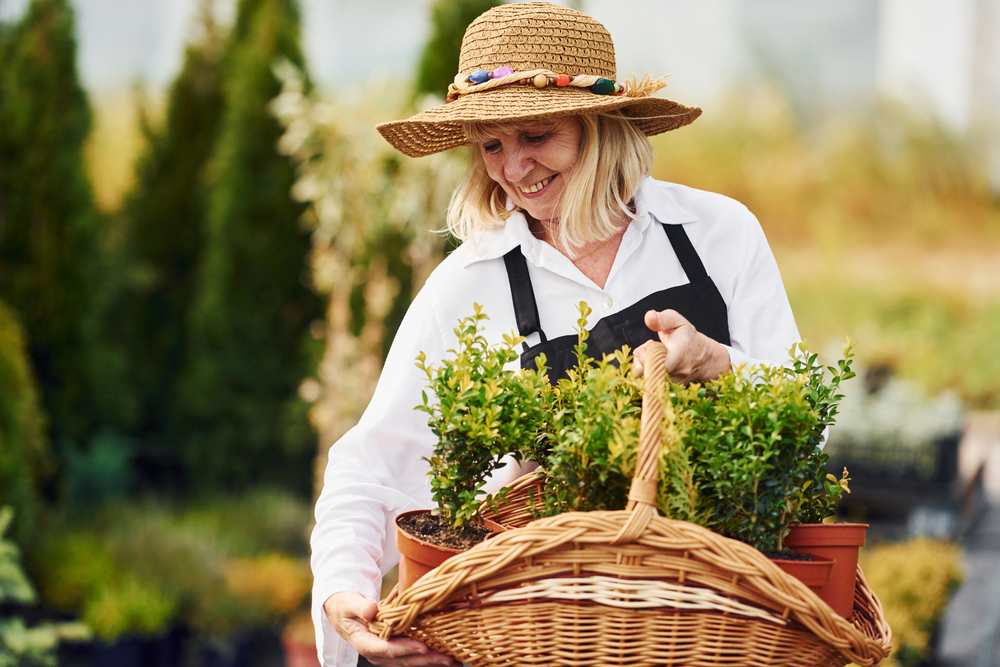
[(481, 80)]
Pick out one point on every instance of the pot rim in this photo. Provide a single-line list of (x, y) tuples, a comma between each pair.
[(418, 540)]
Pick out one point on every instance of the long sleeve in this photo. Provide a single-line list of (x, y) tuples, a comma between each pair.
[(761, 325), (375, 472)]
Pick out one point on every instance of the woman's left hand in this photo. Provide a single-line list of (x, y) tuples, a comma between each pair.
[(691, 356)]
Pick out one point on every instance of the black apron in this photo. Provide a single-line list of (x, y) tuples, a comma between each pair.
[(699, 301)]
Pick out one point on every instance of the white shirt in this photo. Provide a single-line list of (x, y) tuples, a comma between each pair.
[(375, 471)]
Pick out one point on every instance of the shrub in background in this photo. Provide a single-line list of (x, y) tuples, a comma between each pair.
[(915, 581), (49, 239), (218, 566), (24, 449), (164, 219), (248, 344)]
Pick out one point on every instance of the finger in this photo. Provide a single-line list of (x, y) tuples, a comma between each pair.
[(638, 359), (652, 320), (675, 360), (398, 651), (664, 321)]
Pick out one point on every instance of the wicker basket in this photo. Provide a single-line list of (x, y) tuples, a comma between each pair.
[(628, 588)]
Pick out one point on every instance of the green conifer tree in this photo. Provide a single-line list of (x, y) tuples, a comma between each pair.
[(165, 215), (48, 225), (439, 62), (24, 453), (249, 347)]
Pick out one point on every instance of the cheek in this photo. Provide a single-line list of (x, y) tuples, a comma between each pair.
[(494, 168)]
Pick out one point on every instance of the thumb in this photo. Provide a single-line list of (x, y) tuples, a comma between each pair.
[(664, 321), (368, 610)]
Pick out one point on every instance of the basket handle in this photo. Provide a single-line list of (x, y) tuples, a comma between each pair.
[(642, 494)]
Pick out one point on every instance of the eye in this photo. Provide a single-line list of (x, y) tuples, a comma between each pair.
[(536, 139), (491, 147)]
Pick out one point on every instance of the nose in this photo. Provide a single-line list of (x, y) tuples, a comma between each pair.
[(517, 164)]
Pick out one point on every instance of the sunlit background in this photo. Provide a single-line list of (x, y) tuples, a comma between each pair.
[(205, 249)]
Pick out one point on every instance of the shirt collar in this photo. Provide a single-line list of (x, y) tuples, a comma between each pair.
[(654, 200)]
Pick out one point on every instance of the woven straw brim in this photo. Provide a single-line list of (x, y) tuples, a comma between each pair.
[(440, 128)]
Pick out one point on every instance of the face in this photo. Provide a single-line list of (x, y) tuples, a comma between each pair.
[(532, 163)]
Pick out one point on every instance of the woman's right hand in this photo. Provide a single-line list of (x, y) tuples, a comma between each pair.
[(350, 612)]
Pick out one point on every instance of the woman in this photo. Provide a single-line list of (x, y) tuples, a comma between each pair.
[(557, 208)]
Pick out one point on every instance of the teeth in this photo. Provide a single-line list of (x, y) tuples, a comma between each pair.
[(537, 186)]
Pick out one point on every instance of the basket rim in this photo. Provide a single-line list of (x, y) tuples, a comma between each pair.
[(515, 555)]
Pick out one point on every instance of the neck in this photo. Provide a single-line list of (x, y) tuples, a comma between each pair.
[(594, 259)]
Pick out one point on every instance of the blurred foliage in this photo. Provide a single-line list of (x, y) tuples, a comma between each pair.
[(164, 219), (49, 230), (883, 224), (371, 212), (883, 174), (218, 565), (275, 582), (890, 427), (439, 61), (248, 347), (940, 338), (21, 645), (914, 581), (99, 473), (126, 605), (24, 450)]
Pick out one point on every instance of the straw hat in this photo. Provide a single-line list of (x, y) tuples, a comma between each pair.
[(534, 61)]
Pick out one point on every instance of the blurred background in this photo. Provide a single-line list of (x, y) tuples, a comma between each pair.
[(206, 248)]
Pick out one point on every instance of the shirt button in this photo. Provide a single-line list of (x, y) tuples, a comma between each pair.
[(608, 302)]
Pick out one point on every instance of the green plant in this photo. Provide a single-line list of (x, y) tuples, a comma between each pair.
[(915, 581), (740, 454), (820, 491), (589, 450), (754, 437), (482, 412), (20, 645)]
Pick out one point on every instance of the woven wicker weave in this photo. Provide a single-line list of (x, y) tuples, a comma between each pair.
[(629, 588), (528, 36)]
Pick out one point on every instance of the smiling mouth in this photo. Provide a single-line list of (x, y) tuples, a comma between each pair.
[(531, 189)]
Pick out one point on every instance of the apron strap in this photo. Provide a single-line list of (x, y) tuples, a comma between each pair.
[(523, 294), (689, 259), (525, 307), (686, 254)]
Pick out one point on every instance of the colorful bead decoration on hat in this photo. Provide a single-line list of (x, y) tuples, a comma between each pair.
[(479, 76), (481, 80), (603, 87)]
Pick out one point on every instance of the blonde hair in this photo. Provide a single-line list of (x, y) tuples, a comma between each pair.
[(614, 158)]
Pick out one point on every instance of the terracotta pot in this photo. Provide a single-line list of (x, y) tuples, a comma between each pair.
[(417, 557), (813, 573), (840, 542)]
